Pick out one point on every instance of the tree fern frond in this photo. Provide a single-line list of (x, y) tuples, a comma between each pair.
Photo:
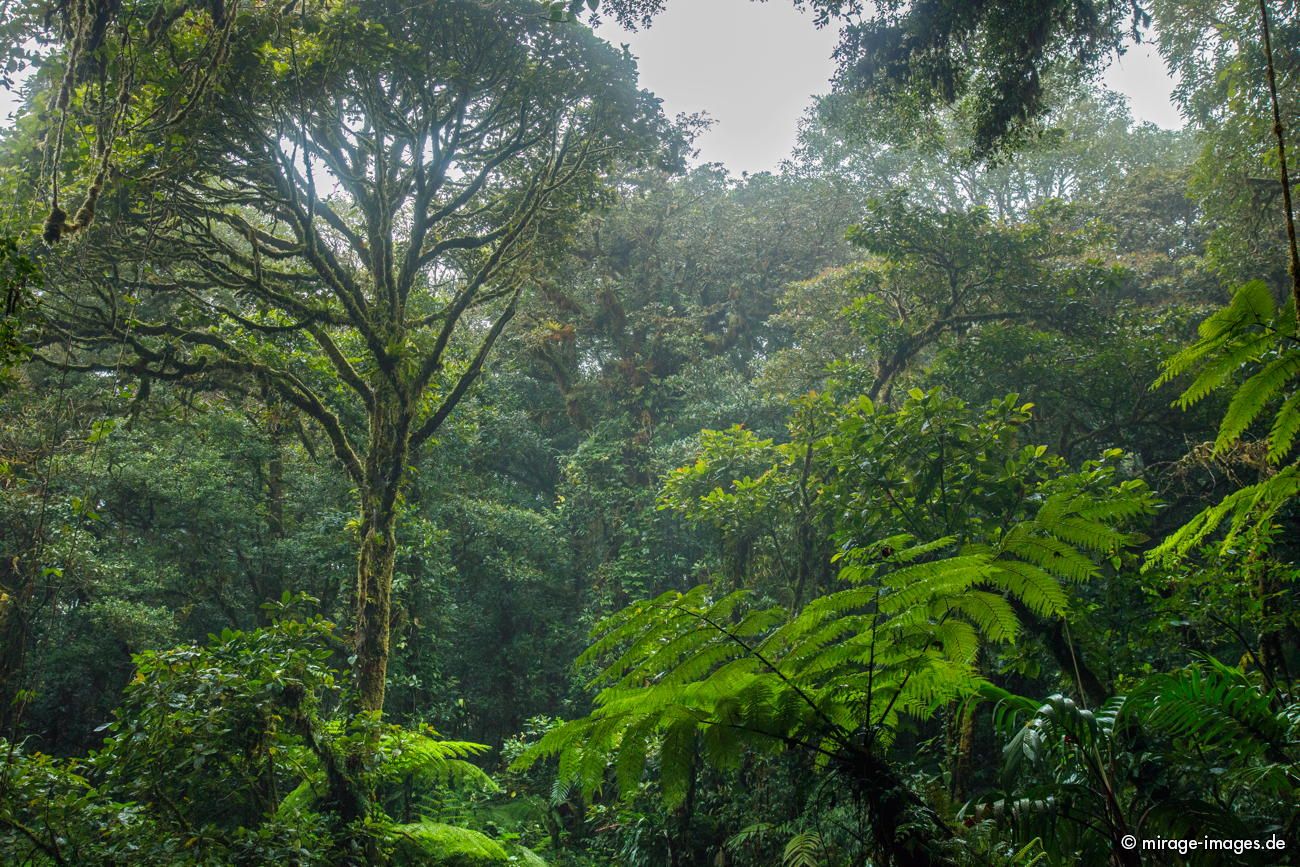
[(1248, 510), (803, 850), (677, 761), (1035, 587), (1088, 534), (909, 550), (1131, 499), (434, 842), (1050, 554), (407, 754), (1252, 396), (960, 640), (1219, 370), (1250, 308), (632, 750), (1285, 427), (912, 585), (991, 613)]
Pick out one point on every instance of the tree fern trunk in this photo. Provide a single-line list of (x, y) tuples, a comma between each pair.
[(907, 831)]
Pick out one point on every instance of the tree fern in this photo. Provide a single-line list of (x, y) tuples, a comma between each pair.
[(700, 676), (402, 755), (1254, 340), (422, 756)]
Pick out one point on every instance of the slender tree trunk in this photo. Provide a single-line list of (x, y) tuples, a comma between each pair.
[(374, 607), (275, 484), (1274, 624), (267, 579), (275, 511), (681, 848), (806, 545), (963, 735), (390, 423)]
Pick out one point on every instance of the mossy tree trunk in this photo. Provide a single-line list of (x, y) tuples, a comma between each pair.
[(390, 446)]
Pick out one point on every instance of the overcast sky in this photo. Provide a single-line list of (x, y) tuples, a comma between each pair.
[(754, 67)]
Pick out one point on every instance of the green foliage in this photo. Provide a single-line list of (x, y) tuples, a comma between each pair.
[(874, 578), (1075, 749), (705, 678), (937, 277), (1220, 709), (20, 278), (1080, 779), (425, 842), (996, 58), (803, 850), (902, 640), (235, 753), (1246, 345), (1251, 331)]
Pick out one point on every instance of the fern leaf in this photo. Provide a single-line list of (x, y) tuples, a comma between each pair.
[(1250, 509), (989, 612), (1033, 586), (433, 842), (677, 762), (802, 850), (1051, 555), (1253, 395), (1285, 427)]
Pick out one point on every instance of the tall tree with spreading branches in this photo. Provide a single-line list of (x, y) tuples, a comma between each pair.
[(346, 216)]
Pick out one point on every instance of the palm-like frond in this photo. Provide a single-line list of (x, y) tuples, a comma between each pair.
[(803, 850), (1243, 513), (1218, 708), (1254, 341), (428, 842), (1246, 332), (694, 674)]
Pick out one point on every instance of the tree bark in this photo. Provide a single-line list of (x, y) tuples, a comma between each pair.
[(1068, 656), (374, 609), (390, 443)]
